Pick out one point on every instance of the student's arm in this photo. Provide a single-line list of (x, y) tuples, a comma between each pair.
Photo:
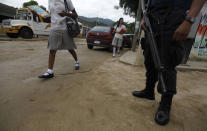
[(123, 30), (184, 29), (73, 14)]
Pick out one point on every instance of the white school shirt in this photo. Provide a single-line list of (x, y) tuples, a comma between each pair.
[(118, 29), (55, 7)]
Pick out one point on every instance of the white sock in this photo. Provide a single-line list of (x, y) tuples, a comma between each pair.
[(77, 62), (114, 51), (50, 71)]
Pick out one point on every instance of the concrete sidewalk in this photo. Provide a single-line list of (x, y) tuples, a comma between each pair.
[(137, 59)]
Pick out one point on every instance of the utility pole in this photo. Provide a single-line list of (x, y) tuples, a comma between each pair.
[(137, 26)]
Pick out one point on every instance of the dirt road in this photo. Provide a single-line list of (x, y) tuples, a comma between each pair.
[(95, 98)]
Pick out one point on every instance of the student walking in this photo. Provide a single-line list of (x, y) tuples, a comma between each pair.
[(59, 38)]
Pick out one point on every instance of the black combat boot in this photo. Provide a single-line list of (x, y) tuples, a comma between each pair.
[(162, 116), (147, 94)]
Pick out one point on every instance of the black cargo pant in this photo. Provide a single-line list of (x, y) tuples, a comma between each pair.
[(164, 23)]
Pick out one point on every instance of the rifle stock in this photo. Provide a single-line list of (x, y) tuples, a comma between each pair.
[(153, 47)]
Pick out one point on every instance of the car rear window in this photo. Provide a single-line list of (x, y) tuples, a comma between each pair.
[(100, 29)]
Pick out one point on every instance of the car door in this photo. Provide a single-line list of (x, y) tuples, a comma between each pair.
[(40, 28)]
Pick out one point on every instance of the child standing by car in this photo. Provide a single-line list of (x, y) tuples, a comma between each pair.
[(119, 30)]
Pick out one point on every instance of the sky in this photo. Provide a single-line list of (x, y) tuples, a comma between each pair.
[(88, 8)]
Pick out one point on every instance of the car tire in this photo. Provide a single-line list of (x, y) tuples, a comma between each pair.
[(26, 33), (12, 35), (90, 46)]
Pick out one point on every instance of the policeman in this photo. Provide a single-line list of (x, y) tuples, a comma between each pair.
[(171, 21)]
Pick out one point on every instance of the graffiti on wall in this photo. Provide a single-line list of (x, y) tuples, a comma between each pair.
[(200, 44)]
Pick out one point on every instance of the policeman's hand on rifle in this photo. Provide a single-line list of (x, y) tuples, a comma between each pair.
[(182, 31)]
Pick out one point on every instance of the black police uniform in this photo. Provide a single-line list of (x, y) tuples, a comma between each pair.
[(165, 17)]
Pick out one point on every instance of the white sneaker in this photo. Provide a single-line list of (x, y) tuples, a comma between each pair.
[(47, 75)]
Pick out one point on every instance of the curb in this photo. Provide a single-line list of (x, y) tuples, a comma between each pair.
[(182, 68), (127, 63), (127, 57)]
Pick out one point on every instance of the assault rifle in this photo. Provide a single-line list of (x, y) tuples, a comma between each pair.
[(153, 47)]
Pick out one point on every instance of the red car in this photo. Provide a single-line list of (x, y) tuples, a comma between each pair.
[(102, 36)]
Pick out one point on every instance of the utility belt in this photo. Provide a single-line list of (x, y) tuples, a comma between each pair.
[(161, 14)]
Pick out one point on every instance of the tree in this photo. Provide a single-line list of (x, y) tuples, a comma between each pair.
[(44, 8), (130, 6), (130, 28), (31, 2)]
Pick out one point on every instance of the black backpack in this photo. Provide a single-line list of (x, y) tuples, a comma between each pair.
[(72, 24)]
